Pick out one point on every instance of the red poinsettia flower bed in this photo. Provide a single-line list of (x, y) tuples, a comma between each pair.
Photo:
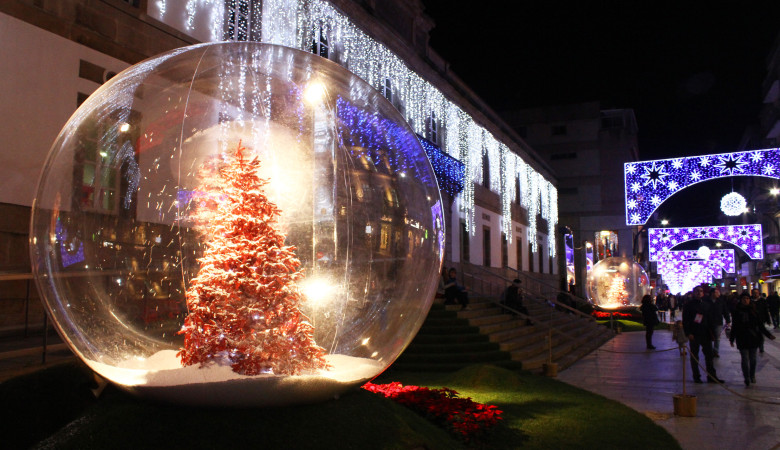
[(462, 416)]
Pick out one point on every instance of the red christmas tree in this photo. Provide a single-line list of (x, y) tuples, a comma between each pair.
[(244, 303)]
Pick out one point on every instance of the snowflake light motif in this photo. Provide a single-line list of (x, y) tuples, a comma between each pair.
[(746, 237), (650, 183), (685, 269)]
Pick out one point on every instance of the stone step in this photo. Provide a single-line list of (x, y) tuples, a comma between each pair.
[(490, 320), (510, 324)]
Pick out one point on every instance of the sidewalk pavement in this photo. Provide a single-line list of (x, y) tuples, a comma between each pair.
[(646, 381)]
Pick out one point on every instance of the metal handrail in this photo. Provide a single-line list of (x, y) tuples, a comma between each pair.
[(547, 326), (525, 291)]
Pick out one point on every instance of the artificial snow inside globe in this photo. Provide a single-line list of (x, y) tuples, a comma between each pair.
[(616, 283), (237, 224)]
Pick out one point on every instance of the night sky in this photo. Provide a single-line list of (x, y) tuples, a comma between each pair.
[(691, 71)]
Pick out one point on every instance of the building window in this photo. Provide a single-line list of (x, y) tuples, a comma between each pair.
[(238, 21), (485, 171), (320, 44), (558, 130), (519, 250), (504, 251), (133, 3), (486, 246), (432, 128), (387, 89), (541, 260), (465, 253), (518, 195), (530, 258)]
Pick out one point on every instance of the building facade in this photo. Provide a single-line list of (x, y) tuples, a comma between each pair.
[(582, 143), (55, 53)]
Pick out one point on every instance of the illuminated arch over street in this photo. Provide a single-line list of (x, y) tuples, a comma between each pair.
[(746, 237), (682, 270), (719, 259), (650, 183)]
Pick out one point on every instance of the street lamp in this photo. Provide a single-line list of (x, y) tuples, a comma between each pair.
[(664, 222)]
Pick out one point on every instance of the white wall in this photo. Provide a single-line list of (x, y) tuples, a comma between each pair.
[(520, 237), (38, 92)]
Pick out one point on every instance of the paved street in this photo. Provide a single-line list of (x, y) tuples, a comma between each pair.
[(647, 381)]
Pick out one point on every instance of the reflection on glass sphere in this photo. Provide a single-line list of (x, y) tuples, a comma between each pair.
[(616, 283), (284, 272)]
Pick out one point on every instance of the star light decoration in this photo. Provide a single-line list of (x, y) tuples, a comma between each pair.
[(295, 23), (687, 275), (720, 259), (746, 237), (649, 183), (682, 270)]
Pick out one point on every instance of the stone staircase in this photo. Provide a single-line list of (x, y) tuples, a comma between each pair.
[(451, 339)]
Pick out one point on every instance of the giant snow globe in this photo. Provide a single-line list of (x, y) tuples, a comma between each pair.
[(237, 224), (616, 283)]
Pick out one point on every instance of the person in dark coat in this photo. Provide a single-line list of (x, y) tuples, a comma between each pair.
[(719, 313), (513, 298), (649, 318), (748, 330), (762, 309), (699, 328), (773, 302), (453, 291)]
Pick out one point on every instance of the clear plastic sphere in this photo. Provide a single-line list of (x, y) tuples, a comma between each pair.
[(615, 283), (174, 271)]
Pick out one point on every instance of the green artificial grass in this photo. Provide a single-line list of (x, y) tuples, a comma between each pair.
[(543, 413), (54, 408)]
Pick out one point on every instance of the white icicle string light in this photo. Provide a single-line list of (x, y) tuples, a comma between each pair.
[(533, 207), (295, 23), (552, 221), (494, 160), (509, 180)]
